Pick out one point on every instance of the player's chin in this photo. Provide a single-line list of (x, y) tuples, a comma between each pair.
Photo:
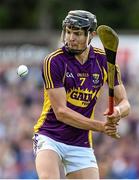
[(73, 47)]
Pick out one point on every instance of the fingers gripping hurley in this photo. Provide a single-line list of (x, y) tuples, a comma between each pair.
[(110, 41)]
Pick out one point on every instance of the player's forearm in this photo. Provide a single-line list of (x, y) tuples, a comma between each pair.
[(124, 108), (75, 119)]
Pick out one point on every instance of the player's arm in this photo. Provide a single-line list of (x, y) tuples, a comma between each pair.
[(122, 106), (121, 100), (68, 116)]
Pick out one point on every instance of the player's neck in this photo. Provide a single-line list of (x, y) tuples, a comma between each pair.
[(82, 58)]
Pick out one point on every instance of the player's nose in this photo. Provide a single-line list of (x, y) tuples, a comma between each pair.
[(72, 37)]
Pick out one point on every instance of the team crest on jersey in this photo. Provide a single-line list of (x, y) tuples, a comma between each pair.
[(95, 78)]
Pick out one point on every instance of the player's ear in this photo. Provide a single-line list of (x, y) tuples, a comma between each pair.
[(92, 34)]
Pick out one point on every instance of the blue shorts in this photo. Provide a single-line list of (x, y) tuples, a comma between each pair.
[(74, 158)]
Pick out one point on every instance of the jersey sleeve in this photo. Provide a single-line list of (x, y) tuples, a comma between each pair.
[(52, 73)]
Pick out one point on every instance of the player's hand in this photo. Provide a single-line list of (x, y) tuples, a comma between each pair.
[(113, 118), (111, 129)]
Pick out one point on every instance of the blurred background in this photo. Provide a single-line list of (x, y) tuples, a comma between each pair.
[(29, 30)]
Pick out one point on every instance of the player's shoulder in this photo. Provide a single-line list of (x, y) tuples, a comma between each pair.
[(99, 51), (100, 56), (54, 55)]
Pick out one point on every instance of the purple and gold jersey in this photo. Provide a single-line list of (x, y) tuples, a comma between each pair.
[(82, 83)]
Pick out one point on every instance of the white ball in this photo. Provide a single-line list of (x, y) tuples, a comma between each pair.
[(22, 70)]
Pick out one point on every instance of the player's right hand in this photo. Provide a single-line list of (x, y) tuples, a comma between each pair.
[(111, 130)]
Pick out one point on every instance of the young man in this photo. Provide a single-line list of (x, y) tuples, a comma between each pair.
[(73, 76)]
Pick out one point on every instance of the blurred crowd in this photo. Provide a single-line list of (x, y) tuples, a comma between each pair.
[(21, 102), (20, 106)]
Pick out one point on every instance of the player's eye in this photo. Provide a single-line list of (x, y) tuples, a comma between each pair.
[(67, 31), (77, 33)]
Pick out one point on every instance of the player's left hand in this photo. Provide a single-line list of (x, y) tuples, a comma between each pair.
[(113, 118)]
